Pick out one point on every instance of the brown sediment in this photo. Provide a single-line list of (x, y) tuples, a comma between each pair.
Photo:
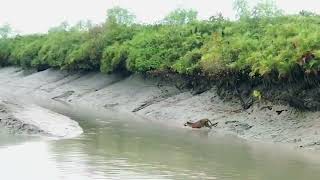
[(173, 100)]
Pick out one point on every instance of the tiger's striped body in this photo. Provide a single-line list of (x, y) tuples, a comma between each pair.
[(200, 124)]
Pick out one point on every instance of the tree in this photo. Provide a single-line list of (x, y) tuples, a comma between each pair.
[(82, 26), (216, 18), (307, 13), (5, 31), (266, 8), (242, 9), (63, 27), (181, 16), (118, 15)]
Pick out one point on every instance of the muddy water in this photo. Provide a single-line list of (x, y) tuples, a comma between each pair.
[(123, 147)]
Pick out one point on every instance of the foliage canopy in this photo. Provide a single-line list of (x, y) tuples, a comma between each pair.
[(261, 43)]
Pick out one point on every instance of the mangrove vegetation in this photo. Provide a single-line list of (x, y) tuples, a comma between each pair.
[(262, 42)]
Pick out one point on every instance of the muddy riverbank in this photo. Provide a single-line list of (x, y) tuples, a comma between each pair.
[(20, 117), (164, 102)]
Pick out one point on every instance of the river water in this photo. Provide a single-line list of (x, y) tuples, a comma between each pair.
[(117, 146)]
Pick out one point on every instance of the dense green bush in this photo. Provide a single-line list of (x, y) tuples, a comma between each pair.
[(189, 63), (29, 52), (4, 52), (58, 46), (261, 42), (23, 50), (114, 58), (277, 45), (159, 49), (86, 56)]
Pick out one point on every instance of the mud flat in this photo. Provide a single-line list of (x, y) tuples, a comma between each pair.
[(166, 103), (35, 120)]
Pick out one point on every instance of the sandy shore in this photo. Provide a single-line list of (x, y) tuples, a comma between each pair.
[(164, 102)]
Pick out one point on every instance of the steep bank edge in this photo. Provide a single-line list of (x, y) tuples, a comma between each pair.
[(164, 102)]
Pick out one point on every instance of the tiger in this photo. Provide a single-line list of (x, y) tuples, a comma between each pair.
[(201, 123)]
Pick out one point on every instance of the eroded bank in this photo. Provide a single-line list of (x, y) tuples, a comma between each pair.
[(166, 103)]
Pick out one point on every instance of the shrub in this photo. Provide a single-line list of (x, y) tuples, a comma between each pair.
[(189, 63), (159, 49), (262, 42), (57, 48), (4, 52), (114, 58), (85, 57)]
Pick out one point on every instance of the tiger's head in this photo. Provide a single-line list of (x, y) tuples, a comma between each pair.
[(188, 123)]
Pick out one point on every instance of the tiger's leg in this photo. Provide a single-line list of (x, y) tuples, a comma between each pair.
[(210, 123), (215, 124), (207, 125)]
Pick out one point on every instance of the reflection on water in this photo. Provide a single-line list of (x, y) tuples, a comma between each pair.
[(111, 148)]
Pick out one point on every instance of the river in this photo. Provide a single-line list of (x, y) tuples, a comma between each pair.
[(115, 146)]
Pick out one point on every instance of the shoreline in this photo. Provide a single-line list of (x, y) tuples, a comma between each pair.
[(166, 102), (32, 119)]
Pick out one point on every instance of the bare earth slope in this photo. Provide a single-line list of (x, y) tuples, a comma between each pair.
[(33, 119), (164, 103)]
